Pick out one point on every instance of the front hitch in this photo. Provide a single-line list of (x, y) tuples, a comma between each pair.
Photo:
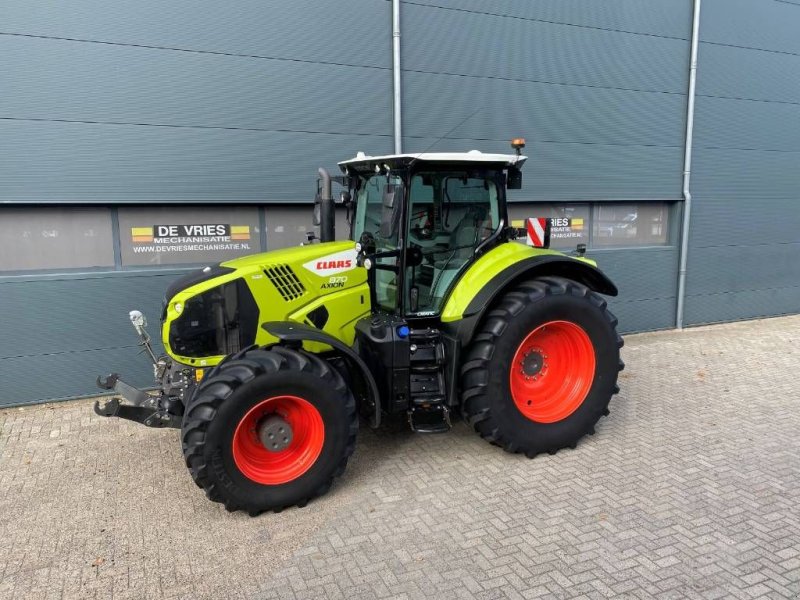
[(174, 384), (144, 408), (140, 414)]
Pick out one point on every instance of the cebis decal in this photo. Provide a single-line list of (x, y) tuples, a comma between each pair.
[(333, 263)]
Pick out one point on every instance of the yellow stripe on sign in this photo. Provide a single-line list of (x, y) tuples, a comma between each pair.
[(240, 229), (518, 223), (142, 231), (577, 223)]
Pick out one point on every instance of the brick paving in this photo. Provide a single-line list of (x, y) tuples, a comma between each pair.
[(690, 489)]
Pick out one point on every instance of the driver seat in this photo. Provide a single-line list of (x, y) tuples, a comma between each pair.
[(464, 238), (466, 235)]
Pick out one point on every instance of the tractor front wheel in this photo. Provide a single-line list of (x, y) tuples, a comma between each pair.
[(542, 368), (268, 429)]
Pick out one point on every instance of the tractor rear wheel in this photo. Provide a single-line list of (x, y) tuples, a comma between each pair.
[(542, 367), (268, 429)]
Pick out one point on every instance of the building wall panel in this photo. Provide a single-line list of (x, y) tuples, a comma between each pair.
[(746, 170), (101, 163), (651, 17), (188, 101), (768, 25), (304, 30)]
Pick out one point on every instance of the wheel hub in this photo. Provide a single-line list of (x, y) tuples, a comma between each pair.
[(532, 363), (275, 433)]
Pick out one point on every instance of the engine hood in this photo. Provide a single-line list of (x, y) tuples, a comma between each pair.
[(217, 310), (319, 259)]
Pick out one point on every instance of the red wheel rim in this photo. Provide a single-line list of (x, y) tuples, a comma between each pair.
[(273, 468), (552, 371)]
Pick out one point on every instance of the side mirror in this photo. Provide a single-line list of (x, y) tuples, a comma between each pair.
[(514, 179), (391, 205), (345, 198), (389, 193)]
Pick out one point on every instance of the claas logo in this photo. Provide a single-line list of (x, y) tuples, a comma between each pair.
[(334, 264)]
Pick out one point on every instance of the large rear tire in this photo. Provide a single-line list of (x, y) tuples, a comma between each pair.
[(268, 429), (542, 367)]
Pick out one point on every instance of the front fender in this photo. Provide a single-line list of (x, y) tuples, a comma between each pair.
[(287, 331)]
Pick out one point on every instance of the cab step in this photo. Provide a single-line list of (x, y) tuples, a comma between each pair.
[(428, 412), (429, 418)]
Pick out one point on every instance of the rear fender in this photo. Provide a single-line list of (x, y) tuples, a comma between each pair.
[(462, 326)]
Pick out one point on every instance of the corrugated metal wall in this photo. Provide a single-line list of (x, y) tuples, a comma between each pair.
[(193, 101), (745, 231), (61, 332), (597, 89), (182, 101), (188, 100), (599, 92)]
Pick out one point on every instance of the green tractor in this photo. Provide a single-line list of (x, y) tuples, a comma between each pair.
[(434, 308)]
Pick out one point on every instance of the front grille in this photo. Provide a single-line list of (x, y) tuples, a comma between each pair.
[(285, 281), (217, 322)]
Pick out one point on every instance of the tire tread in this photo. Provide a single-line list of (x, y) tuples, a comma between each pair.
[(475, 367), (228, 376)]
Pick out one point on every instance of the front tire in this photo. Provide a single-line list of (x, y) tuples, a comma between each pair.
[(542, 368), (268, 429)]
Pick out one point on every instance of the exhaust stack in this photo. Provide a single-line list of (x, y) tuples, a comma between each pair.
[(327, 214)]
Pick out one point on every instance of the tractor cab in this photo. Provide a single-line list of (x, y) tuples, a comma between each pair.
[(425, 218)]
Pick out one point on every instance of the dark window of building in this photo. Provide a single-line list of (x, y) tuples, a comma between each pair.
[(55, 238), (288, 225), (630, 224), (600, 225), (573, 231)]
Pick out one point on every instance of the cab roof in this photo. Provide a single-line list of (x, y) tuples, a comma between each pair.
[(362, 162)]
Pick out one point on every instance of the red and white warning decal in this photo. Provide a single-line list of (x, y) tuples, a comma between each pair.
[(333, 263), (536, 227)]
